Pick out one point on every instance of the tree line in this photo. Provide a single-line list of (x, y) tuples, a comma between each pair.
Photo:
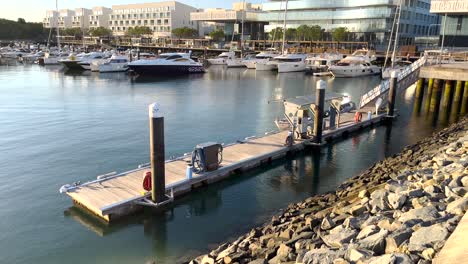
[(308, 33), (22, 30)]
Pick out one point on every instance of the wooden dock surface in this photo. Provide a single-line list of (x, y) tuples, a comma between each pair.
[(106, 196)]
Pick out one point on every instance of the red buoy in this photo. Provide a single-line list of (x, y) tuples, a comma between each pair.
[(147, 181)]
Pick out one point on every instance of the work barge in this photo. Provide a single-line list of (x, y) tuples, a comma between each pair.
[(113, 196)]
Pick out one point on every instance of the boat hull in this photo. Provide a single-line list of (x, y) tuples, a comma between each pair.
[(217, 61), (166, 69), (347, 72), (266, 66), (72, 65), (291, 67), (113, 68)]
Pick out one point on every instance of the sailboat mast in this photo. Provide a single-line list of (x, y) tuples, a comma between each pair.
[(58, 30), (284, 26), (396, 35), (242, 29), (395, 17)]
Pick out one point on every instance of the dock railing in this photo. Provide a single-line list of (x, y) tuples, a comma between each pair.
[(384, 86)]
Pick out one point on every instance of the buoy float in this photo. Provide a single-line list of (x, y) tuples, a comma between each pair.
[(357, 117), (147, 181)]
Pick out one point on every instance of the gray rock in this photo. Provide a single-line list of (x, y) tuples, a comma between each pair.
[(460, 191), (414, 216), (415, 193), (367, 231), (378, 200), (464, 181), (258, 261), (321, 256), (327, 223), (458, 207), (355, 254), (396, 200), (207, 260), (283, 252), (375, 242), (426, 237), (395, 239), (339, 236), (428, 253)]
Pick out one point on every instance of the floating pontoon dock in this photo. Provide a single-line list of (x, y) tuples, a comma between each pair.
[(115, 195)]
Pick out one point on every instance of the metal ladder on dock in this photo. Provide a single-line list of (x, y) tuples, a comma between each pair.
[(405, 79)]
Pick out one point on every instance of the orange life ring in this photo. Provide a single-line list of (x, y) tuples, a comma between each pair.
[(357, 117), (147, 181)]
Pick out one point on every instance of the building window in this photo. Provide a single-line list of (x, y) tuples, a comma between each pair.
[(459, 23)]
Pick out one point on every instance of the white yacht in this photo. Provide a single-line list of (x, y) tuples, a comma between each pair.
[(322, 62), (262, 57), (97, 57), (115, 64), (239, 62), (71, 62), (291, 63), (53, 58), (222, 58), (167, 63), (356, 65)]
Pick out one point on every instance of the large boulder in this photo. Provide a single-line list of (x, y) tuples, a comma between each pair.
[(458, 207), (427, 237), (375, 242), (339, 236), (378, 200), (321, 256), (424, 214), (395, 239)]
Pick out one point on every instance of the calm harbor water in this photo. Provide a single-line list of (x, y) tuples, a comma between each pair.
[(58, 127)]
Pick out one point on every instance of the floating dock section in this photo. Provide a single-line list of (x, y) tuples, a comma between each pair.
[(115, 195)]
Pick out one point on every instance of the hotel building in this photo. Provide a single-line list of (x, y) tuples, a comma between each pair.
[(160, 17), (99, 17), (81, 18)]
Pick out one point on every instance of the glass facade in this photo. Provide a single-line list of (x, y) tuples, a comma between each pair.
[(369, 20)]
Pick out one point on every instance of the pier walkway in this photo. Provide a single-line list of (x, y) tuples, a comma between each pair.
[(112, 196)]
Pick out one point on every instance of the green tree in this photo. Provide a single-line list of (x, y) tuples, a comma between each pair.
[(217, 35), (185, 32), (291, 33), (100, 32), (302, 32), (17, 30), (21, 20), (339, 34), (75, 32), (314, 33), (276, 33), (138, 31)]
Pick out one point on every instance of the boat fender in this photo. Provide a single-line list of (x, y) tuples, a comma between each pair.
[(357, 117), (65, 188), (147, 181)]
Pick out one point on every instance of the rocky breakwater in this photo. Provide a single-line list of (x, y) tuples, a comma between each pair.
[(401, 210)]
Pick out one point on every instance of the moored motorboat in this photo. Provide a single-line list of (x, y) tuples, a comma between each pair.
[(167, 63), (222, 58), (291, 63), (262, 57), (358, 64), (114, 64)]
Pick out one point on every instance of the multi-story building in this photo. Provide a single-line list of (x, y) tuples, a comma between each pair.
[(454, 30), (81, 18), (50, 19), (65, 18), (369, 20), (161, 17), (231, 19), (99, 17)]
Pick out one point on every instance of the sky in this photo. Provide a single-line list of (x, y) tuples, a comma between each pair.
[(34, 10)]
